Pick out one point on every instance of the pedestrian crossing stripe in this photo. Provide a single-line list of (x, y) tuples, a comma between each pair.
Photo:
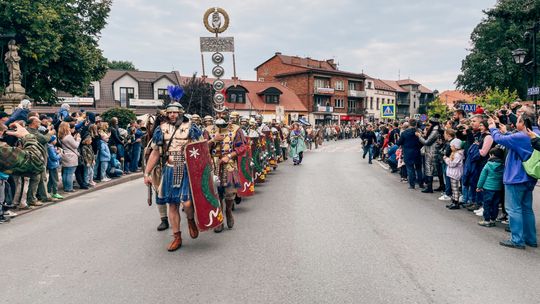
[(388, 111)]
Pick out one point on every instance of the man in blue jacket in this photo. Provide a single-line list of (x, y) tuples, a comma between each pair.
[(411, 146), (517, 184)]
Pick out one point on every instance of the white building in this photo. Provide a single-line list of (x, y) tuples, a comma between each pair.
[(377, 93)]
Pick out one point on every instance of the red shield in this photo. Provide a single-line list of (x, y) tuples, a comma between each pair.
[(208, 212), (247, 185)]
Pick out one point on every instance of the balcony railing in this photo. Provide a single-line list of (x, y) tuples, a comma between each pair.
[(354, 93), (323, 109), (355, 111), (403, 101), (324, 91)]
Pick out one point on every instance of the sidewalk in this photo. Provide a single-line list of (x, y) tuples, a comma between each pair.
[(79, 192)]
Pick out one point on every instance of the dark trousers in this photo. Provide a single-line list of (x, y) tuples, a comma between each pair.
[(414, 173), (491, 202), (135, 156), (79, 176), (368, 149), (393, 165), (52, 184)]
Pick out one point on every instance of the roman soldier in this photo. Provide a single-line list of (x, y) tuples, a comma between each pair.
[(226, 142), (208, 121), (166, 168), (196, 119)]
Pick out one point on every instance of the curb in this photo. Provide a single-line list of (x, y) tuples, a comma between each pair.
[(78, 193)]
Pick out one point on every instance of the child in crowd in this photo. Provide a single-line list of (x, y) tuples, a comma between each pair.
[(114, 165), (446, 150), (491, 186), (88, 160), (454, 170), (104, 157), (53, 163)]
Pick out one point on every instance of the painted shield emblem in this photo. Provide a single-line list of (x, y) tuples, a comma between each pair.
[(247, 185), (208, 214)]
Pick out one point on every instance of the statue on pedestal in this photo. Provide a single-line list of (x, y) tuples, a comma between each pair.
[(14, 92)]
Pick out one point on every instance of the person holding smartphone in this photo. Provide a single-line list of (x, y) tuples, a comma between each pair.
[(517, 184)]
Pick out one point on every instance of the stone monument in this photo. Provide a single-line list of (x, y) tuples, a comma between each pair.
[(14, 92)]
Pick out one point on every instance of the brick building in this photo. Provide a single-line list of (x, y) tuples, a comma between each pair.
[(329, 94)]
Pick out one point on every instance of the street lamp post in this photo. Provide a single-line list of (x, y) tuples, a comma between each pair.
[(519, 56)]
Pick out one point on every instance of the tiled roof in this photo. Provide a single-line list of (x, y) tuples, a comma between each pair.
[(395, 86), (381, 85), (406, 82), (255, 101), (452, 96), (307, 62)]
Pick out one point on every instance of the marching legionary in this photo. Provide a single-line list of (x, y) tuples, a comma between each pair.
[(226, 143), (208, 121), (166, 169), (196, 120)]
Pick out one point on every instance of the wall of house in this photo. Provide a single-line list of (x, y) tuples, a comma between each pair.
[(163, 83), (125, 82), (385, 97), (267, 71)]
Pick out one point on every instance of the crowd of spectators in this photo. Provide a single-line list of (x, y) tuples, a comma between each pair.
[(80, 150), (477, 160)]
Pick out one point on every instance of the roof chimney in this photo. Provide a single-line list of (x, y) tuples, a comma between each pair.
[(278, 53)]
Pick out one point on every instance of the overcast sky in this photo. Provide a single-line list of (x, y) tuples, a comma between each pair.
[(422, 39)]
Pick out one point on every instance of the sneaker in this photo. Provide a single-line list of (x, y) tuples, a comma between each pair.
[(461, 199), (36, 204), (502, 217), (484, 223), (445, 197), (479, 212), (10, 213), (505, 222), (57, 196), (509, 243), (106, 179), (4, 220)]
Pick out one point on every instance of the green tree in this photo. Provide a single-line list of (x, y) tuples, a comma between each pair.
[(198, 96), (58, 42), (121, 65), (124, 115), (439, 107), (489, 63), (493, 99)]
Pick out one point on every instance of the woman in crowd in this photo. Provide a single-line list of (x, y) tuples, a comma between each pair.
[(429, 140), (70, 155)]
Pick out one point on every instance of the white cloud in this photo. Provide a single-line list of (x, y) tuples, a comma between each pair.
[(424, 39)]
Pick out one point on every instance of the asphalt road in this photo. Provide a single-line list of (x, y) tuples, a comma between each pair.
[(333, 230)]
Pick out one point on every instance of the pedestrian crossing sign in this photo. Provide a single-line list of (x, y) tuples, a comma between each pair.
[(388, 111)]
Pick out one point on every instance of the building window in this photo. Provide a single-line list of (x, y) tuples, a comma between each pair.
[(236, 96), (339, 103), (162, 94), (369, 84), (339, 85), (322, 101), (322, 83), (271, 99), (378, 107), (371, 103), (284, 83), (91, 92), (351, 104), (354, 86)]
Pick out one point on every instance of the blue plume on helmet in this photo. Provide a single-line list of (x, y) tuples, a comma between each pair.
[(176, 92)]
